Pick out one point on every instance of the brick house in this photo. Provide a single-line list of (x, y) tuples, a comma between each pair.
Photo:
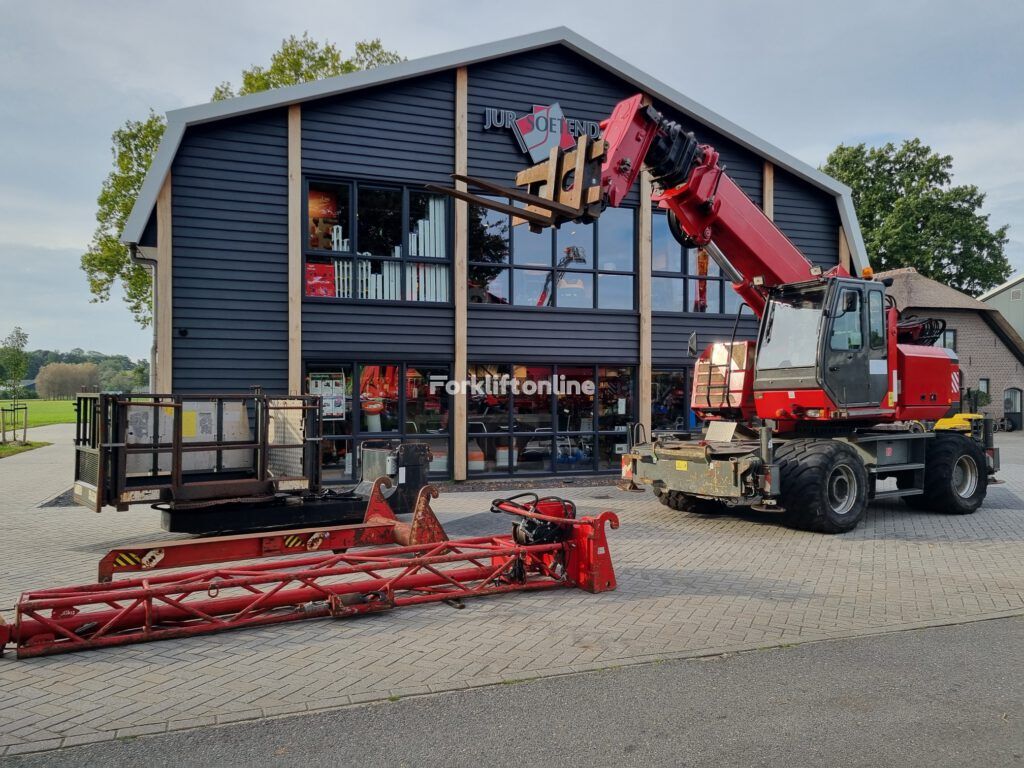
[(991, 352)]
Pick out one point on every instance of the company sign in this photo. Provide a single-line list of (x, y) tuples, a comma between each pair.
[(541, 130)]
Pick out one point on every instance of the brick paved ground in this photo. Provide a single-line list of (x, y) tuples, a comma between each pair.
[(687, 585)]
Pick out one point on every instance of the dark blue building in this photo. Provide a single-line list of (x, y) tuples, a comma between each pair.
[(295, 247)]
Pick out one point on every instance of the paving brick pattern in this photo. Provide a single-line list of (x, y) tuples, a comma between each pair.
[(687, 585)]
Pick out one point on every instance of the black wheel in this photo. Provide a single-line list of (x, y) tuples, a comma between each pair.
[(681, 502), (823, 484), (955, 475)]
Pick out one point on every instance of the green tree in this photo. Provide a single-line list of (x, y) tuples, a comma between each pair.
[(13, 361), (107, 261), (912, 215), (301, 59)]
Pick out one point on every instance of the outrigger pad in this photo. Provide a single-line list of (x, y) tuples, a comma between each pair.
[(424, 528)]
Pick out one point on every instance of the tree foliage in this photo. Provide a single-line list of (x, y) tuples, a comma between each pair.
[(13, 361), (912, 215), (107, 261), (301, 59), (58, 381)]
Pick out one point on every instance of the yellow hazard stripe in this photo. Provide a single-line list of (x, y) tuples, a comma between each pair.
[(292, 541), (126, 559)]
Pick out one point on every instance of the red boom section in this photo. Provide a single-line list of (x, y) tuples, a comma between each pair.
[(708, 205), (711, 208), (340, 585)]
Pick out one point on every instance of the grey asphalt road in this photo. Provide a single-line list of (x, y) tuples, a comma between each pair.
[(946, 696)]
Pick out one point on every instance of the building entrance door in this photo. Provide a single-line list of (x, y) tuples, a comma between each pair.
[(1012, 407)]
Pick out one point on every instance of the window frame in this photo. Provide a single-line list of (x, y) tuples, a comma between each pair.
[(318, 255), (595, 433), (594, 270), (946, 335), (721, 283), (688, 415), (357, 436)]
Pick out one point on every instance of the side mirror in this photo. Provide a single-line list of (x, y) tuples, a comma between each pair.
[(691, 344)]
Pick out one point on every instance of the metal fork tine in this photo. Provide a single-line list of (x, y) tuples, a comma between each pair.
[(529, 216), (517, 194)]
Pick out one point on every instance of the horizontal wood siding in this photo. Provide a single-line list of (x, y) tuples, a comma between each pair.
[(230, 281), (670, 335), (510, 334), (403, 132), (809, 217), (542, 77), (335, 331)]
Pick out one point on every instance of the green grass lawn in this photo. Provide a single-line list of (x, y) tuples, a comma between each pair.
[(43, 412), (9, 449)]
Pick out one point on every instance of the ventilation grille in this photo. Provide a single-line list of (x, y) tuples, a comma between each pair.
[(88, 467)]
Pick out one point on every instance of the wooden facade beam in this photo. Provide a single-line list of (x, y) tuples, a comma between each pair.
[(461, 273), (296, 233), (768, 190), (644, 297), (845, 260), (163, 379)]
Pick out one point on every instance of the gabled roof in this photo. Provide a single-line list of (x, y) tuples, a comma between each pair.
[(180, 119), (1013, 281), (912, 290)]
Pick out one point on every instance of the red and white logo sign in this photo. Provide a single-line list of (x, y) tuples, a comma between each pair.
[(542, 129)]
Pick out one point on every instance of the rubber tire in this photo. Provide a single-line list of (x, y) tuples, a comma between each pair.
[(944, 450), (804, 466), (682, 502)]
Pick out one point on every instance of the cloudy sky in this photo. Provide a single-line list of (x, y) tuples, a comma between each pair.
[(803, 75)]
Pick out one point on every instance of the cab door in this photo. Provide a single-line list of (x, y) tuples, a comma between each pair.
[(845, 349), (877, 344)]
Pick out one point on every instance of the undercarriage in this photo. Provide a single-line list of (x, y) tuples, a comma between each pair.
[(815, 482)]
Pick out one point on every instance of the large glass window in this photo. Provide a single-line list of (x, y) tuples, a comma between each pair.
[(377, 243), (686, 279), (334, 385), (579, 266), (539, 418), (670, 400), (489, 252), (391, 401), (379, 222)]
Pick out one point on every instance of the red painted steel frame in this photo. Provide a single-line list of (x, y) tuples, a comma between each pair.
[(339, 585), (379, 526)]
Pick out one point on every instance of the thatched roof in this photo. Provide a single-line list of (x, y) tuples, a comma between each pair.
[(913, 291)]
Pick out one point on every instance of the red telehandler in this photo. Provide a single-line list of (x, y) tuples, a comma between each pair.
[(807, 419)]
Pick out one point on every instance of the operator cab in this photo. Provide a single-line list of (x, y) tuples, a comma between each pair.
[(828, 335)]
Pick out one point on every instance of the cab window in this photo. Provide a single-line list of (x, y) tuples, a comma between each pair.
[(846, 328), (876, 320)]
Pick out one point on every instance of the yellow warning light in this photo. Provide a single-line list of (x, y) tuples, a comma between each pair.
[(867, 273)]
